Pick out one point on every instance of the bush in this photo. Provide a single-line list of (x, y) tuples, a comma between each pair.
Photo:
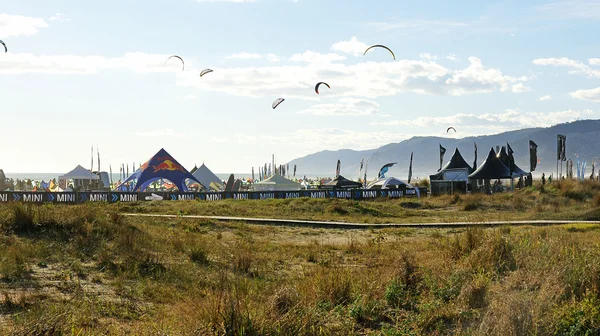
[(579, 318), (199, 256), (284, 300)]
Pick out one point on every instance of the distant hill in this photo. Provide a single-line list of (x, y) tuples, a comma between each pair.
[(583, 139)]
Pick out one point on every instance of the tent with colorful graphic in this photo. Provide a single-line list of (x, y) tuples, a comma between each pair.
[(162, 166)]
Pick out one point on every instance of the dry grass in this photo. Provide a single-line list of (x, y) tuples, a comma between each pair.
[(89, 270)]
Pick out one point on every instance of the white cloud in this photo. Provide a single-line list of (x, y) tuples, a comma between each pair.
[(545, 98), (60, 17), (69, 64), (160, 133), (477, 78), (310, 140), (591, 95), (244, 55), (428, 56), (577, 66), (18, 25), (190, 97), (273, 58), (520, 88), (256, 56), (314, 57), (359, 80), (510, 119), (354, 46), (594, 61), (452, 57), (345, 107)]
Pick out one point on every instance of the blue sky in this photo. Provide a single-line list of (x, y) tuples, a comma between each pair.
[(81, 73)]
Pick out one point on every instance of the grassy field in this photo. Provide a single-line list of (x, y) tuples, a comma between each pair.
[(89, 270)]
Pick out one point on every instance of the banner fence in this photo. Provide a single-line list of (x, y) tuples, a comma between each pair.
[(129, 197)]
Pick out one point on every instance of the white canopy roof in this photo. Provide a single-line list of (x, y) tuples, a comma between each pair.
[(387, 182), (79, 173), (276, 182), (205, 176)]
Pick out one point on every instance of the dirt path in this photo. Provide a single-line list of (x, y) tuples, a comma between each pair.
[(349, 225)]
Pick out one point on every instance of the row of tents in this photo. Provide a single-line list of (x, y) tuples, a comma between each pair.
[(162, 169), (457, 174)]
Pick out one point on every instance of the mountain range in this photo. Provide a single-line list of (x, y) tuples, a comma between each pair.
[(581, 137)]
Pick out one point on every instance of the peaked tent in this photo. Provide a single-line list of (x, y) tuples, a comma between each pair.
[(503, 156), (340, 182), (163, 166), (81, 177), (456, 162), (206, 177), (388, 183), (79, 173), (491, 169), (276, 182)]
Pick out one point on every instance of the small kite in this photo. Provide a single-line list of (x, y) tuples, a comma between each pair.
[(205, 71), (319, 84), (181, 59), (277, 102), (4, 44), (449, 128), (380, 46)]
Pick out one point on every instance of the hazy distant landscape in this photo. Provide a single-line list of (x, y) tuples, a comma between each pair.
[(581, 140)]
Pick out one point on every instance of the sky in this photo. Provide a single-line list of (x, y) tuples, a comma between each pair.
[(92, 73)]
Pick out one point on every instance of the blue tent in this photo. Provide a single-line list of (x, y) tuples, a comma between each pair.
[(162, 166)]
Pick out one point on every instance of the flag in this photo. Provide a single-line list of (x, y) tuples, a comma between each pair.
[(384, 169), (110, 170), (532, 155), (497, 149), (578, 168), (98, 151), (593, 170), (475, 161), (561, 147), (92, 164), (442, 152), (365, 179), (337, 168), (287, 169), (410, 168), (511, 159), (128, 170), (294, 170), (252, 174)]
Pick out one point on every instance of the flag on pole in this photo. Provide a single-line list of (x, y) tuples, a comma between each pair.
[(410, 168), (442, 152), (475, 161), (533, 160)]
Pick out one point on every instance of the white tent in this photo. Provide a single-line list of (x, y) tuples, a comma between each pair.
[(391, 183), (81, 177), (276, 182), (206, 177)]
